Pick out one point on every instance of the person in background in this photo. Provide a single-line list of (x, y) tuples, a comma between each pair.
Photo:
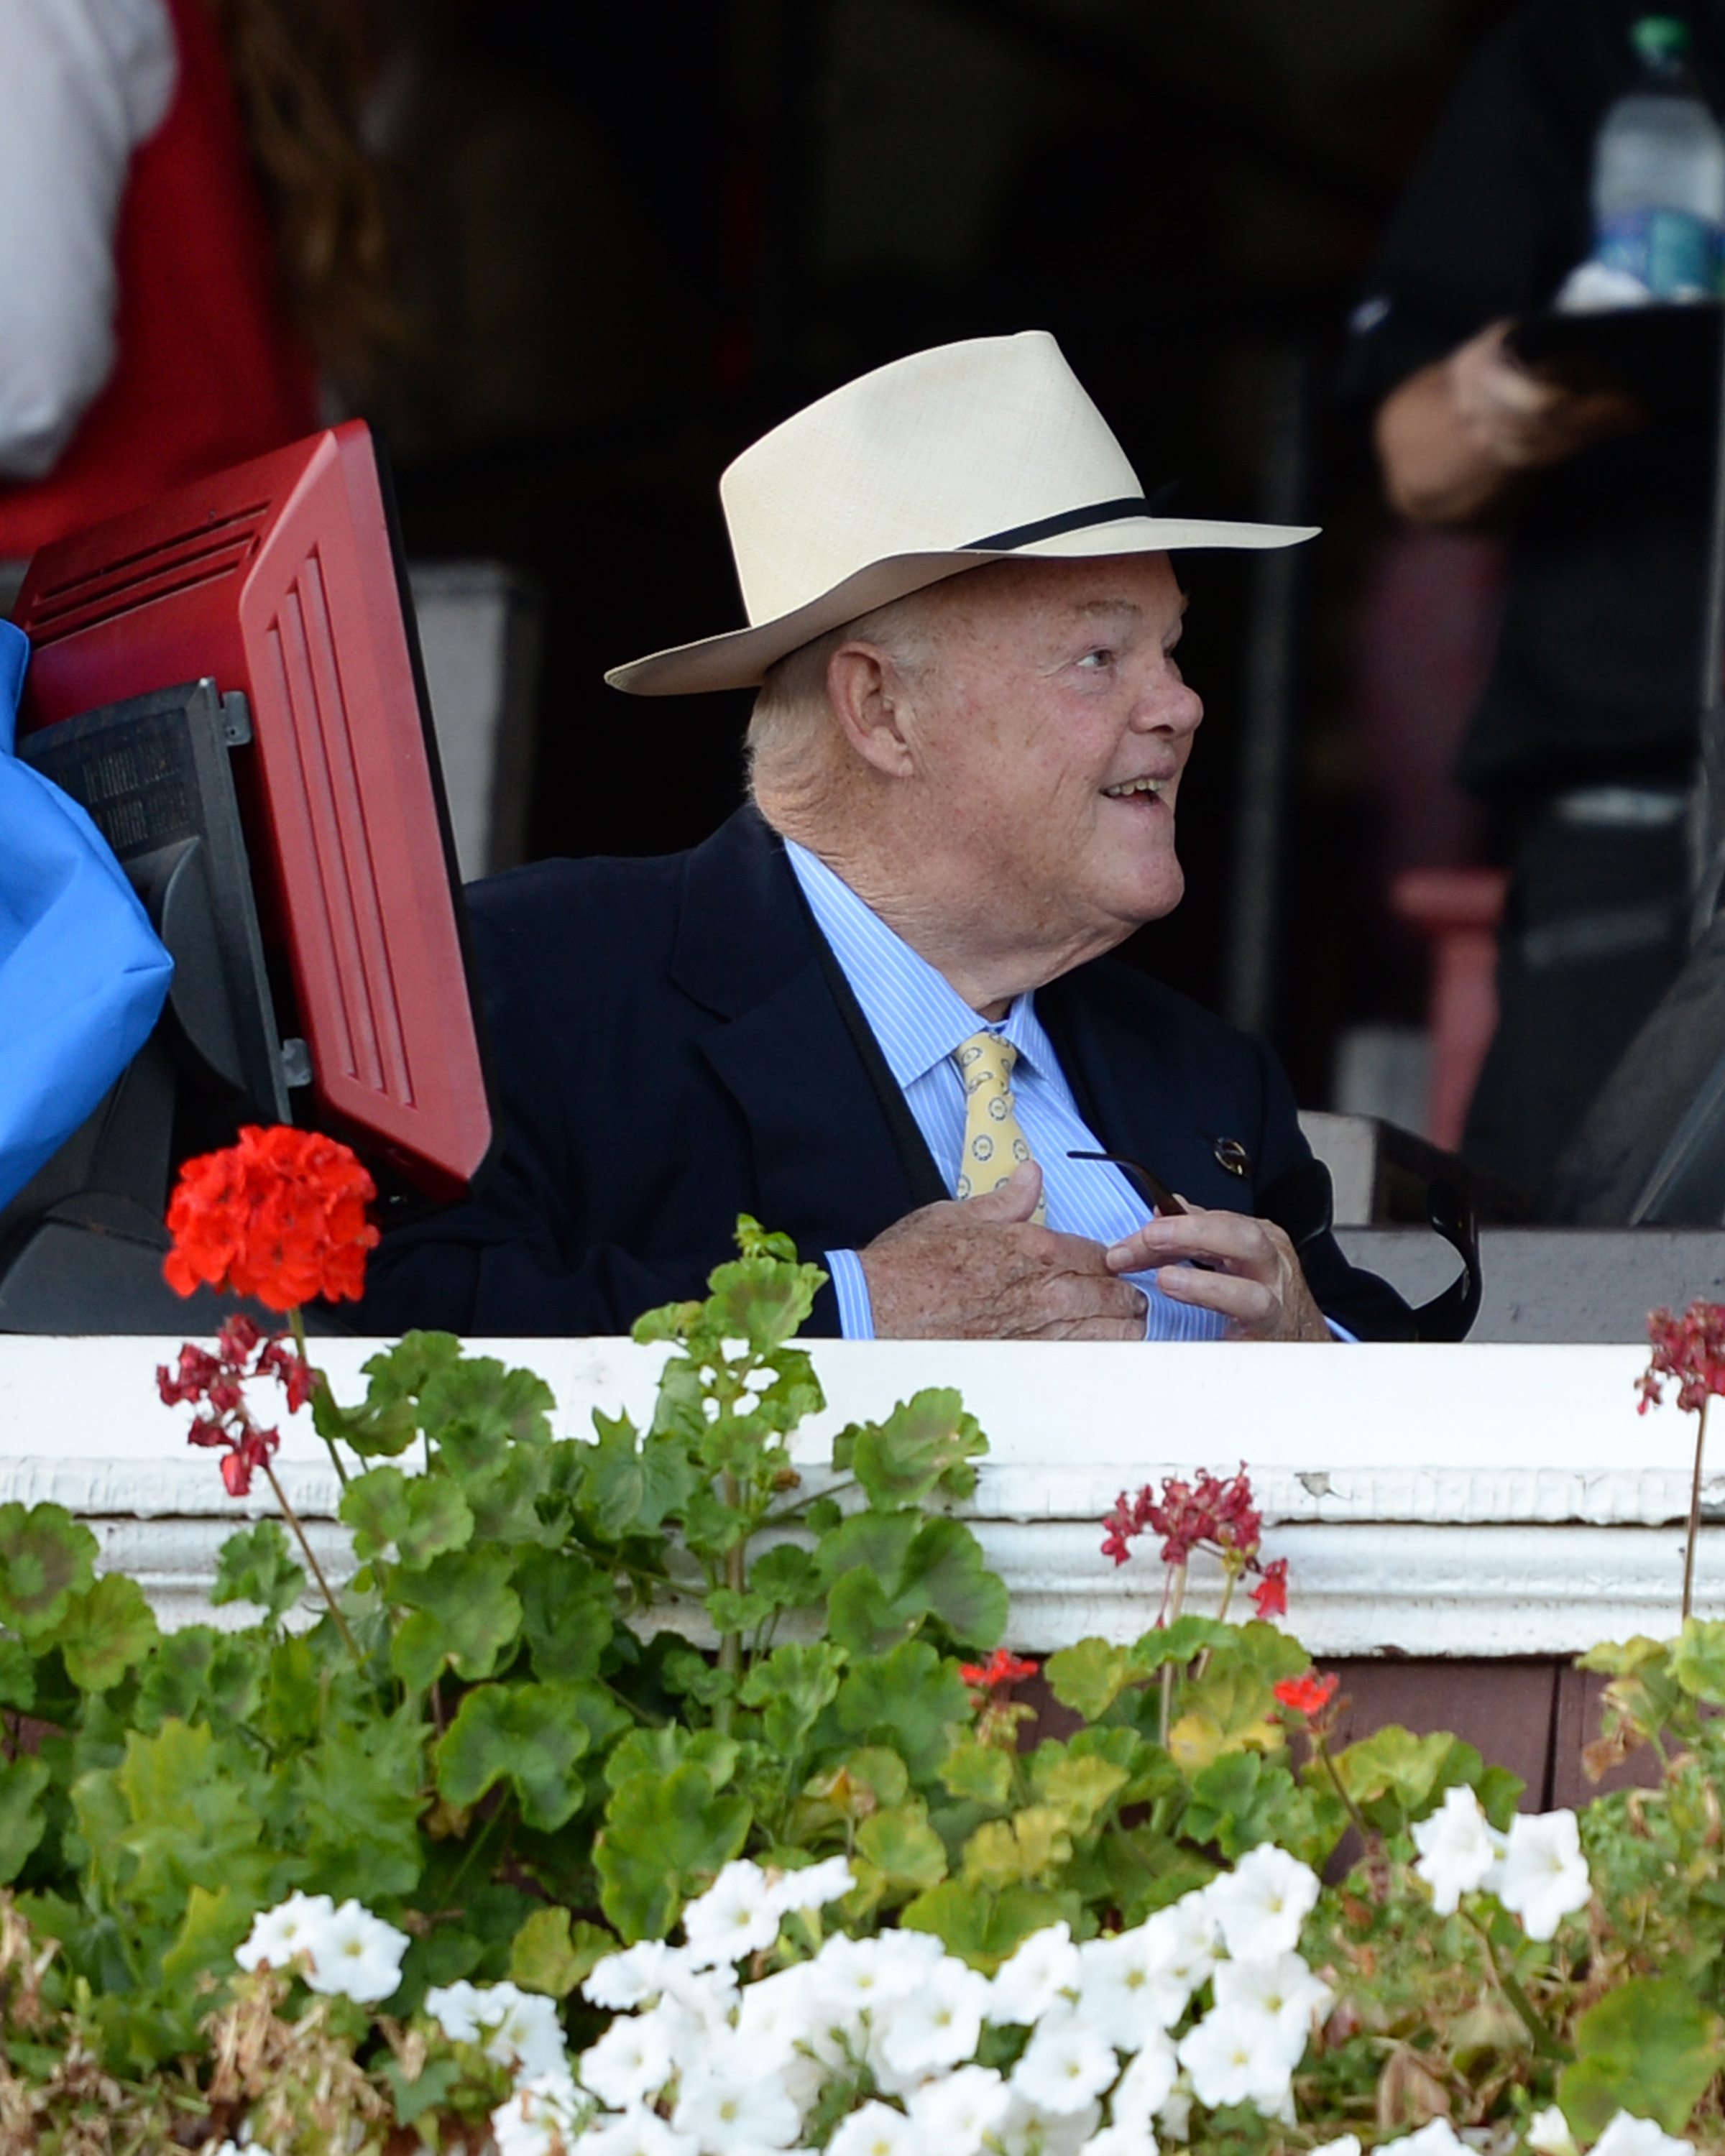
[(190, 222), (1584, 737)]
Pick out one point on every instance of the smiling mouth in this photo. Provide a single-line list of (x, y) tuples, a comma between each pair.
[(1129, 789)]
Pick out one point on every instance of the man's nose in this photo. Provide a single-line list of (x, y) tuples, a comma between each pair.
[(1171, 707)]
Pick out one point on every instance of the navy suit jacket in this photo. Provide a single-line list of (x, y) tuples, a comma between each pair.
[(674, 1044)]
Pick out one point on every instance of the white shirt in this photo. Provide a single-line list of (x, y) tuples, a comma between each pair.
[(918, 1018), (82, 83)]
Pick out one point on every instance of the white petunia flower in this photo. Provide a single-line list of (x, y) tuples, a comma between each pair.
[(1121, 2141), (1147, 2084), (292, 1927), (1630, 2136), (631, 2061), (939, 2024), (1543, 1876), (1457, 1849), (1344, 2144), (876, 2130), (697, 2005), (735, 2113), (633, 1977), (1280, 1988), (1260, 1905), (538, 2119), (1236, 2058), (358, 1955), (1437, 2138), (775, 2016), (521, 2028), (1026, 2128), (814, 1886), (1045, 1966), (1065, 2064), (636, 2133), (1127, 1986), (738, 1915), (857, 1976), (1174, 2114), (1548, 2132), (953, 2114), (1182, 1942)]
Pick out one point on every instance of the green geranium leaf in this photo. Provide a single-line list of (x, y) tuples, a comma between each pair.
[(903, 1846), (731, 1612), (388, 1421), (191, 1818), (632, 1486), (1090, 1677), (791, 1686), (105, 1630), (978, 1773), (664, 1839), (1698, 1661), (528, 1734), (1396, 1778), (864, 1619), (925, 1443), (947, 1573), (17, 1676), (877, 1542), (463, 1612), (551, 1954), (357, 1802), (419, 1517), (1649, 2047), (1242, 1799), (215, 1924), (475, 1409), (983, 1925), (569, 1613), (505, 1499), (198, 1671), (46, 1557), (907, 1699), (787, 1575), (663, 1750), (23, 1819), (761, 1299), (1081, 1788), (256, 1565)]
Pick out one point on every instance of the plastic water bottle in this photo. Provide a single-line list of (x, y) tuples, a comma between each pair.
[(1659, 174)]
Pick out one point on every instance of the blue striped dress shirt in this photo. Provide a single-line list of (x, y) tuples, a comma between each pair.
[(919, 1018)]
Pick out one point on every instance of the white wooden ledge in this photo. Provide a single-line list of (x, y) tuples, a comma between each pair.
[(1468, 1501)]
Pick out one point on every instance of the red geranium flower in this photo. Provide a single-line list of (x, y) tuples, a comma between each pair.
[(1690, 1348), (1308, 1695), (279, 1216), (1270, 1595), (1001, 1668)]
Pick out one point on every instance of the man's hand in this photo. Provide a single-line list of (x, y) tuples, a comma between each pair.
[(977, 1269), (1256, 1283), (1453, 437)]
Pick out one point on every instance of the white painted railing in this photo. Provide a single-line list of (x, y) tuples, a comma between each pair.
[(1472, 1501)]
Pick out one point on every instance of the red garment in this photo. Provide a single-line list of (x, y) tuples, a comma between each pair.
[(208, 371)]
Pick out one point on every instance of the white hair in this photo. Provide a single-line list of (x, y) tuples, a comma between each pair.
[(798, 761)]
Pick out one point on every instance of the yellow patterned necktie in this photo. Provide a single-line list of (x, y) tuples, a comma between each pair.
[(994, 1146)]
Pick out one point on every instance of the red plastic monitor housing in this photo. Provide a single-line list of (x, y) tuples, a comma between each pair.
[(280, 579)]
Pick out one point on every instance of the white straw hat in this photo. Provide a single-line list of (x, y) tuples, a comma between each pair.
[(927, 467)]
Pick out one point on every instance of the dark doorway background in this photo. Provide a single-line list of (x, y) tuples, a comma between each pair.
[(629, 238)]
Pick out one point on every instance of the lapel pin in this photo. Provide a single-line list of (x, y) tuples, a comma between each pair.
[(1231, 1155)]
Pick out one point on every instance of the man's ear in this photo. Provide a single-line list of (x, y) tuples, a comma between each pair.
[(867, 693)]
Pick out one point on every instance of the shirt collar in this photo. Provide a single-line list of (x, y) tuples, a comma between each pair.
[(913, 1011)]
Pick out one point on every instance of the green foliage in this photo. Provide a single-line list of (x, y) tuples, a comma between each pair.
[(1649, 2047), (258, 1567)]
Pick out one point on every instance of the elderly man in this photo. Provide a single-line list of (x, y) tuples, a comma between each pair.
[(874, 1008)]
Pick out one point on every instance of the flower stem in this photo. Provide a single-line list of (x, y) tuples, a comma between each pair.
[(298, 1322), (1321, 1745), (1527, 2012), (293, 1520), (1173, 1598), (1694, 1535)]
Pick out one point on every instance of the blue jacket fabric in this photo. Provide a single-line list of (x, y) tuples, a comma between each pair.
[(82, 974), (671, 1048)]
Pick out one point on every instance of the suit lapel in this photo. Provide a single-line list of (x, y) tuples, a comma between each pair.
[(824, 1146)]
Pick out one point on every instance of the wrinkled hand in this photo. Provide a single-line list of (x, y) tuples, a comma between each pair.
[(1257, 1284), (978, 1268), (1520, 422)]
